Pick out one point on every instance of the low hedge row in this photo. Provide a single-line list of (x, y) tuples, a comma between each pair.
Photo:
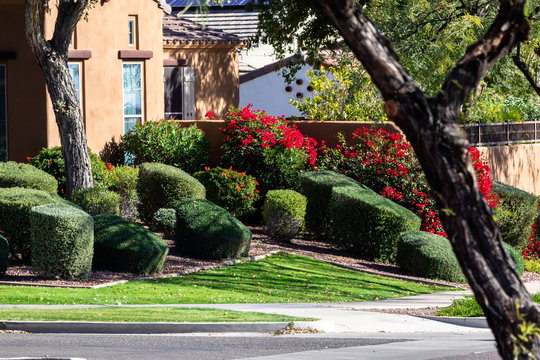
[(97, 201), (14, 174)]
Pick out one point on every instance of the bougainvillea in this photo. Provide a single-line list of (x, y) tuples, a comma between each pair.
[(266, 147), (386, 163)]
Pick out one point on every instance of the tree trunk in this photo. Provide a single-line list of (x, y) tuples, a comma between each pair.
[(430, 125), (52, 58)]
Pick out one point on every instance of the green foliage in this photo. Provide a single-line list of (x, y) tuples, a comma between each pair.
[(96, 201), (516, 257), (283, 213), (52, 161), (207, 231), (15, 205), (516, 212), (166, 142), (342, 92), (367, 224), (232, 190), (317, 188), (165, 186), (4, 254), (492, 106), (532, 265), (466, 307), (165, 220), (428, 255), (123, 180), (62, 241), (121, 245), (14, 174)]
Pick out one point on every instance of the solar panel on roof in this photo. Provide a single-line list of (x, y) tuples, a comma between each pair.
[(195, 3)]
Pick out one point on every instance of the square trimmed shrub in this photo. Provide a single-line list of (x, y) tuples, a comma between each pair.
[(14, 174), (164, 186), (15, 206), (207, 231), (283, 213), (516, 212), (123, 246), (97, 201), (367, 224), (4, 255), (317, 187), (62, 241)]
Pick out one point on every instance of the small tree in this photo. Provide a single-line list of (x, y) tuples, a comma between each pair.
[(52, 56)]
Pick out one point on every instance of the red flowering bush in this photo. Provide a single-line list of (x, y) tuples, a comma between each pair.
[(232, 190), (386, 163), (532, 250), (266, 147)]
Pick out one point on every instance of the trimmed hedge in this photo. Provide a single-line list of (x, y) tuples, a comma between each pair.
[(367, 224), (516, 212), (121, 245), (317, 187), (283, 213), (62, 241), (207, 231), (14, 174), (97, 201), (428, 255), (4, 254), (15, 206), (431, 256), (164, 186)]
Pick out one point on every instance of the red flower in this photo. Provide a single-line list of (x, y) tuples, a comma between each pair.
[(209, 114)]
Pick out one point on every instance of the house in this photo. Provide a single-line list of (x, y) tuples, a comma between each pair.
[(119, 60)]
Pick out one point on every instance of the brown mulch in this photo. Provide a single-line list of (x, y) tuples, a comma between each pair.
[(260, 245)]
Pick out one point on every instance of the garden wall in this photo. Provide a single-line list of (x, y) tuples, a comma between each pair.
[(516, 165)]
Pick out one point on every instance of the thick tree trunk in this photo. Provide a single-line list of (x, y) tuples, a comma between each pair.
[(430, 124), (52, 58)]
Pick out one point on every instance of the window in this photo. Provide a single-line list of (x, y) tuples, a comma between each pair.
[(75, 72), (3, 114), (132, 90), (132, 31), (179, 86)]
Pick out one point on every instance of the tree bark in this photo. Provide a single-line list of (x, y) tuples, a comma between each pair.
[(430, 124), (52, 58)]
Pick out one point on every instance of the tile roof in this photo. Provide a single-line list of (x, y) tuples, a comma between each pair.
[(181, 31), (196, 3), (232, 21)]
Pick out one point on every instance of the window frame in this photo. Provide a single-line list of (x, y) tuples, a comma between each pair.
[(141, 90), (132, 31)]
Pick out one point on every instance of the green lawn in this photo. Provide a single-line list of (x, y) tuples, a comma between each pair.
[(281, 278), (468, 307), (146, 314)]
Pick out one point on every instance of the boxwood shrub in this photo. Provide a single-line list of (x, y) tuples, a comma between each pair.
[(121, 245), (4, 254), (368, 225), (317, 187), (15, 205), (283, 213), (165, 220), (14, 174), (207, 231), (97, 201), (62, 241), (165, 186), (431, 256), (516, 212)]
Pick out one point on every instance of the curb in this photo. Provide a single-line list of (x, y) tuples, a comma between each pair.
[(74, 327), (473, 322)]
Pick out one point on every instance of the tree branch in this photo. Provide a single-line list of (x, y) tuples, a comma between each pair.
[(33, 14), (69, 14), (525, 70)]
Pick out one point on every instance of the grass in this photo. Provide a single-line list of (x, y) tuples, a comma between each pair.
[(281, 278), (146, 314), (468, 307)]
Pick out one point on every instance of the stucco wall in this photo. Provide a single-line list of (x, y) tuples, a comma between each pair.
[(105, 33), (216, 75), (26, 122)]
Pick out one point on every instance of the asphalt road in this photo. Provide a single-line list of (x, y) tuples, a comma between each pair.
[(120, 347)]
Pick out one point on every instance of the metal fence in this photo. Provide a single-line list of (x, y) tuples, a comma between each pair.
[(503, 133)]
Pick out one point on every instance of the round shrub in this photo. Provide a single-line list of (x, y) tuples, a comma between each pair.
[(52, 162), (96, 201), (164, 186), (165, 220), (4, 254), (167, 142), (207, 231), (121, 245), (15, 205), (14, 174), (62, 241), (232, 190), (283, 214), (123, 180)]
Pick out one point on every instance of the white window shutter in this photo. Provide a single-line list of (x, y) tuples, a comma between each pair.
[(188, 105)]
